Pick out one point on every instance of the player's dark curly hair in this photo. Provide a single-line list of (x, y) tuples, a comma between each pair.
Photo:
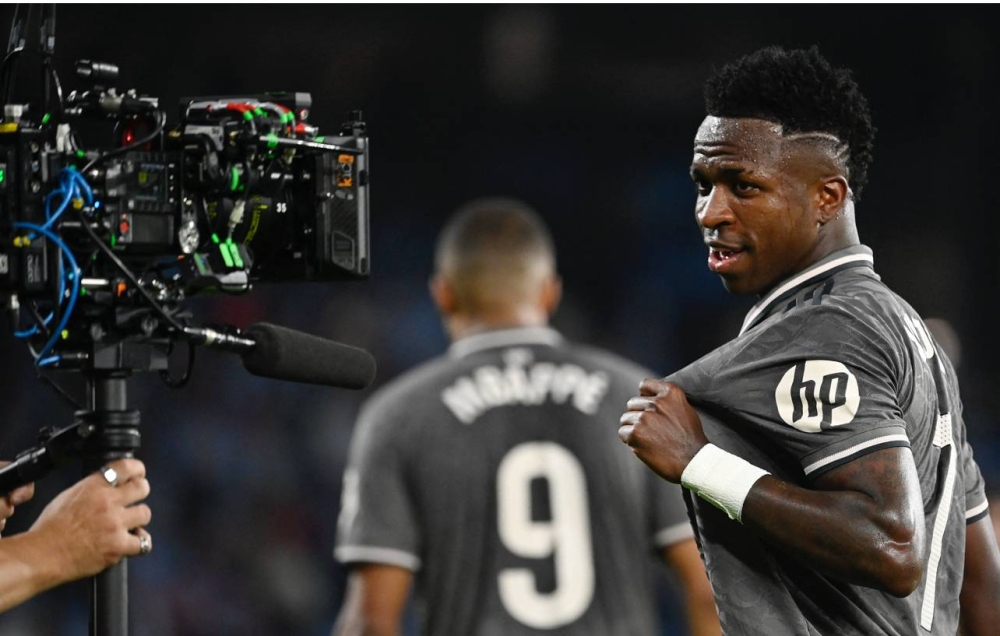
[(801, 91)]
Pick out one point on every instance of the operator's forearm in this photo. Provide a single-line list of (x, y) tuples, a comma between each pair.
[(27, 568), (849, 535)]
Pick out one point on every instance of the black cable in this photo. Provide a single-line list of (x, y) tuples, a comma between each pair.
[(107, 251), (161, 121), (7, 77), (58, 85), (9, 81), (14, 49), (39, 321), (14, 29), (63, 393), (202, 205), (7, 73), (172, 382)]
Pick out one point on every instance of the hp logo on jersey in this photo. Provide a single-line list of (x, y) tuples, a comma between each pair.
[(816, 395)]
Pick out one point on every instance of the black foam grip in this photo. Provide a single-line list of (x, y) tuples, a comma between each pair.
[(286, 354)]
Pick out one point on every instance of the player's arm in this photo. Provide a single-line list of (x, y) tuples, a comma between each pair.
[(699, 602), (375, 600), (862, 524), (980, 598)]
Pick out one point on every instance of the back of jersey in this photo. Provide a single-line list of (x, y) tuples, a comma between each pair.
[(496, 475)]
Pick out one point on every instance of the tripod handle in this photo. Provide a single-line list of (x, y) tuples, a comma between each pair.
[(29, 466), (57, 446)]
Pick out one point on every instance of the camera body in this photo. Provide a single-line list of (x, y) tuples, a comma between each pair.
[(110, 240), (246, 170)]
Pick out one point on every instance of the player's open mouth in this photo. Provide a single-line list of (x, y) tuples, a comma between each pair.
[(722, 260)]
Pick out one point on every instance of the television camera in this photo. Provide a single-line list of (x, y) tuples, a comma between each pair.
[(101, 244)]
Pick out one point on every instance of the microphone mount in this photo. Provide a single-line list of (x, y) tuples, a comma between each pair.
[(225, 340)]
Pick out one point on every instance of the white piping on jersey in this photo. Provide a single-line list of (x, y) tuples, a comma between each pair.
[(673, 534), (797, 280), (384, 556), (504, 338), (934, 560), (969, 514), (811, 468)]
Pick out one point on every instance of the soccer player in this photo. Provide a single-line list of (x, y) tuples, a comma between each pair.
[(487, 478), (826, 464)]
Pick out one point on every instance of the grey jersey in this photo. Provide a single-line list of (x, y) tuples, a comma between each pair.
[(828, 367), (496, 475)]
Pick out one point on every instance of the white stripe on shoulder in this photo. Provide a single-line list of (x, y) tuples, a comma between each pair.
[(972, 512), (384, 556), (826, 461), (673, 534), (504, 338), (798, 280)]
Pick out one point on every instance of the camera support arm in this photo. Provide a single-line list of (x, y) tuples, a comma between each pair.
[(55, 447)]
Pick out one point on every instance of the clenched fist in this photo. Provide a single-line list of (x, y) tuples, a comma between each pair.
[(662, 429)]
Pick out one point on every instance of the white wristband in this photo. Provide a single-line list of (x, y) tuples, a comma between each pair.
[(722, 479)]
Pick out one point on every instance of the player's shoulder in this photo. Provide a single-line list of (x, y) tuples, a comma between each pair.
[(615, 365), (409, 388), (844, 308)]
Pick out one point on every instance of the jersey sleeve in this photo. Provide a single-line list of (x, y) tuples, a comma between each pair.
[(818, 384), (976, 502), (976, 499), (668, 514), (377, 521)]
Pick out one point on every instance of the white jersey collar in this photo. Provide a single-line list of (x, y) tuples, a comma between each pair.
[(854, 256), (504, 338)]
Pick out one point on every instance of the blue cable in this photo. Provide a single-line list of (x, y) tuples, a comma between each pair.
[(70, 183), (50, 219), (74, 275), (75, 175)]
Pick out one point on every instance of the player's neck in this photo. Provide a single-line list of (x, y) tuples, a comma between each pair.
[(838, 234), (461, 325)]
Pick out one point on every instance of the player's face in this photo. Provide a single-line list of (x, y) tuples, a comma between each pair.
[(753, 205)]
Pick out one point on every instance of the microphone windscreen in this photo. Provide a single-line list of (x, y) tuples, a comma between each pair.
[(287, 354)]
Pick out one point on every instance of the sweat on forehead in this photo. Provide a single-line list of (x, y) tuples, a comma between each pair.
[(757, 139), (720, 129)]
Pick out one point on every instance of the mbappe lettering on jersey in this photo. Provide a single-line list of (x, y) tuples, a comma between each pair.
[(522, 382)]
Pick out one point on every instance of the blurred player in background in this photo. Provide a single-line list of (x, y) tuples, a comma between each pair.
[(490, 477)]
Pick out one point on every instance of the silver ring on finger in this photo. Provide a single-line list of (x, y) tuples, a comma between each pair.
[(110, 475), (145, 544)]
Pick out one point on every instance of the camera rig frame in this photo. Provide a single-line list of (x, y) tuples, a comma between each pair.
[(101, 246)]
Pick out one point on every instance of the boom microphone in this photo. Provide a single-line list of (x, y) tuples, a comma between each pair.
[(286, 354), (271, 351)]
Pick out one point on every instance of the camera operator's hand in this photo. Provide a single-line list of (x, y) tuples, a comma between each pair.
[(85, 529), (12, 499), (90, 525)]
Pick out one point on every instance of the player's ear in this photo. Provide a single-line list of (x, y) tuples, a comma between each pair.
[(443, 294), (831, 196), (551, 294)]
